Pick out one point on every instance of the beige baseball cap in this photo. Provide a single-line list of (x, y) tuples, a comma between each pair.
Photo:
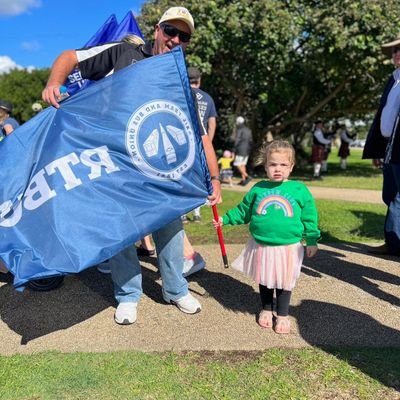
[(179, 13)]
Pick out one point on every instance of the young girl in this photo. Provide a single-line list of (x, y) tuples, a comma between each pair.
[(282, 216)]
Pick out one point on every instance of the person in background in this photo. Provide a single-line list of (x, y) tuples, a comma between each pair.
[(7, 123), (383, 142), (243, 145), (225, 163), (281, 214), (345, 141), (318, 155), (175, 28), (208, 116)]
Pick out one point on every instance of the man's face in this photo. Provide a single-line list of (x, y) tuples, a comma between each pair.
[(396, 56), (164, 42)]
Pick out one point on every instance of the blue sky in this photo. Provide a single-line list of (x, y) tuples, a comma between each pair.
[(34, 32)]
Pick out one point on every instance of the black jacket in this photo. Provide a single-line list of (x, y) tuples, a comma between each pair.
[(375, 145)]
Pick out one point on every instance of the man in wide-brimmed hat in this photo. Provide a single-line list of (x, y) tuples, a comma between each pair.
[(383, 142)]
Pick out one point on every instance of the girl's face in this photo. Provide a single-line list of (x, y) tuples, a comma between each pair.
[(279, 166)]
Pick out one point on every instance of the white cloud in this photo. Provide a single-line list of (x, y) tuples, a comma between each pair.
[(7, 64), (33, 45), (16, 7)]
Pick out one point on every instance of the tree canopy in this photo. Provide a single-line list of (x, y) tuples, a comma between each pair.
[(23, 88), (280, 63), (283, 64)]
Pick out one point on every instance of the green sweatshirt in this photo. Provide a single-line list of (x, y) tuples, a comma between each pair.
[(279, 213)]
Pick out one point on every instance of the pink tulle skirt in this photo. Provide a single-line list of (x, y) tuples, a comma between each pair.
[(276, 267)]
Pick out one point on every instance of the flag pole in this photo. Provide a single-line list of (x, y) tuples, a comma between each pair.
[(220, 238)]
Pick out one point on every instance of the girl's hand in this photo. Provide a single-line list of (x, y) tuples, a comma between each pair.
[(311, 251), (217, 223)]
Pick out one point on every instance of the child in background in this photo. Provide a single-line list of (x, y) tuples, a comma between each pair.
[(282, 216), (226, 171)]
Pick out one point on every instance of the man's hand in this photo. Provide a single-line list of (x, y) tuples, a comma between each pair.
[(216, 196), (51, 95)]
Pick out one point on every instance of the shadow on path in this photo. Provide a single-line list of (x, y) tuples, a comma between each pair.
[(336, 265), (33, 314)]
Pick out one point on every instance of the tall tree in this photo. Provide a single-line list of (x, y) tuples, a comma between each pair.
[(23, 88), (284, 63)]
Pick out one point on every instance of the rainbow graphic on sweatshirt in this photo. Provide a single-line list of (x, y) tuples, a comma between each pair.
[(278, 202)]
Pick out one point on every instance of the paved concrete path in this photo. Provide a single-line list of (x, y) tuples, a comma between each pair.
[(344, 297), (358, 195)]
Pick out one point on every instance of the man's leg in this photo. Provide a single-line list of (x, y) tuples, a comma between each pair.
[(196, 214), (317, 170), (169, 245), (391, 197), (127, 278), (193, 261)]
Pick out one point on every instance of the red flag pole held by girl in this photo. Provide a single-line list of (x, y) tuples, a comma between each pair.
[(220, 238)]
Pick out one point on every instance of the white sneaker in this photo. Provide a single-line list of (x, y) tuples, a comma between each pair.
[(195, 264), (104, 267), (187, 304), (126, 313)]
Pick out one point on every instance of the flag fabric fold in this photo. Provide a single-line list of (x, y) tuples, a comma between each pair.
[(115, 162), (110, 31), (128, 25)]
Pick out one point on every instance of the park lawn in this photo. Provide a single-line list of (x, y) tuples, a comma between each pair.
[(360, 174), (310, 373), (279, 373), (339, 221)]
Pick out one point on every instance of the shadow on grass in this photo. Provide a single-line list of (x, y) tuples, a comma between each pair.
[(360, 340)]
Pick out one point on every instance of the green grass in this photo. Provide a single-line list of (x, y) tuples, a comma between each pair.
[(310, 373), (360, 174), (339, 221), (273, 374)]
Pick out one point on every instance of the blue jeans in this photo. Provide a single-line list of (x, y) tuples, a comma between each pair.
[(391, 197), (126, 271)]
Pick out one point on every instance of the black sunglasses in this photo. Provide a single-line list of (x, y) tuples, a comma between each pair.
[(395, 50), (172, 31)]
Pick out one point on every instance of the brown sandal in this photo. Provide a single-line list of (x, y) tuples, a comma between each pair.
[(282, 325), (265, 319)]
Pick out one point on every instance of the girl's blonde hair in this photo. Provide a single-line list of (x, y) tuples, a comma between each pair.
[(275, 146)]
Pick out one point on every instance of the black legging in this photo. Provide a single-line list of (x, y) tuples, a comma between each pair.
[(282, 300)]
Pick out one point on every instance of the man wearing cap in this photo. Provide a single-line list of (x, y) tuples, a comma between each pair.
[(175, 28), (7, 123), (383, 142)]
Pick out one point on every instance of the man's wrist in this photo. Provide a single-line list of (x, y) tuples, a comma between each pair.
[(216, 178)]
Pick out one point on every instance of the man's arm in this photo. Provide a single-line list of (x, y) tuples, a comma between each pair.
[(213, 168), (60, 70), (212, 126)]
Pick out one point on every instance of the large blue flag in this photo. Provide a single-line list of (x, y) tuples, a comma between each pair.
[(117, 161)]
